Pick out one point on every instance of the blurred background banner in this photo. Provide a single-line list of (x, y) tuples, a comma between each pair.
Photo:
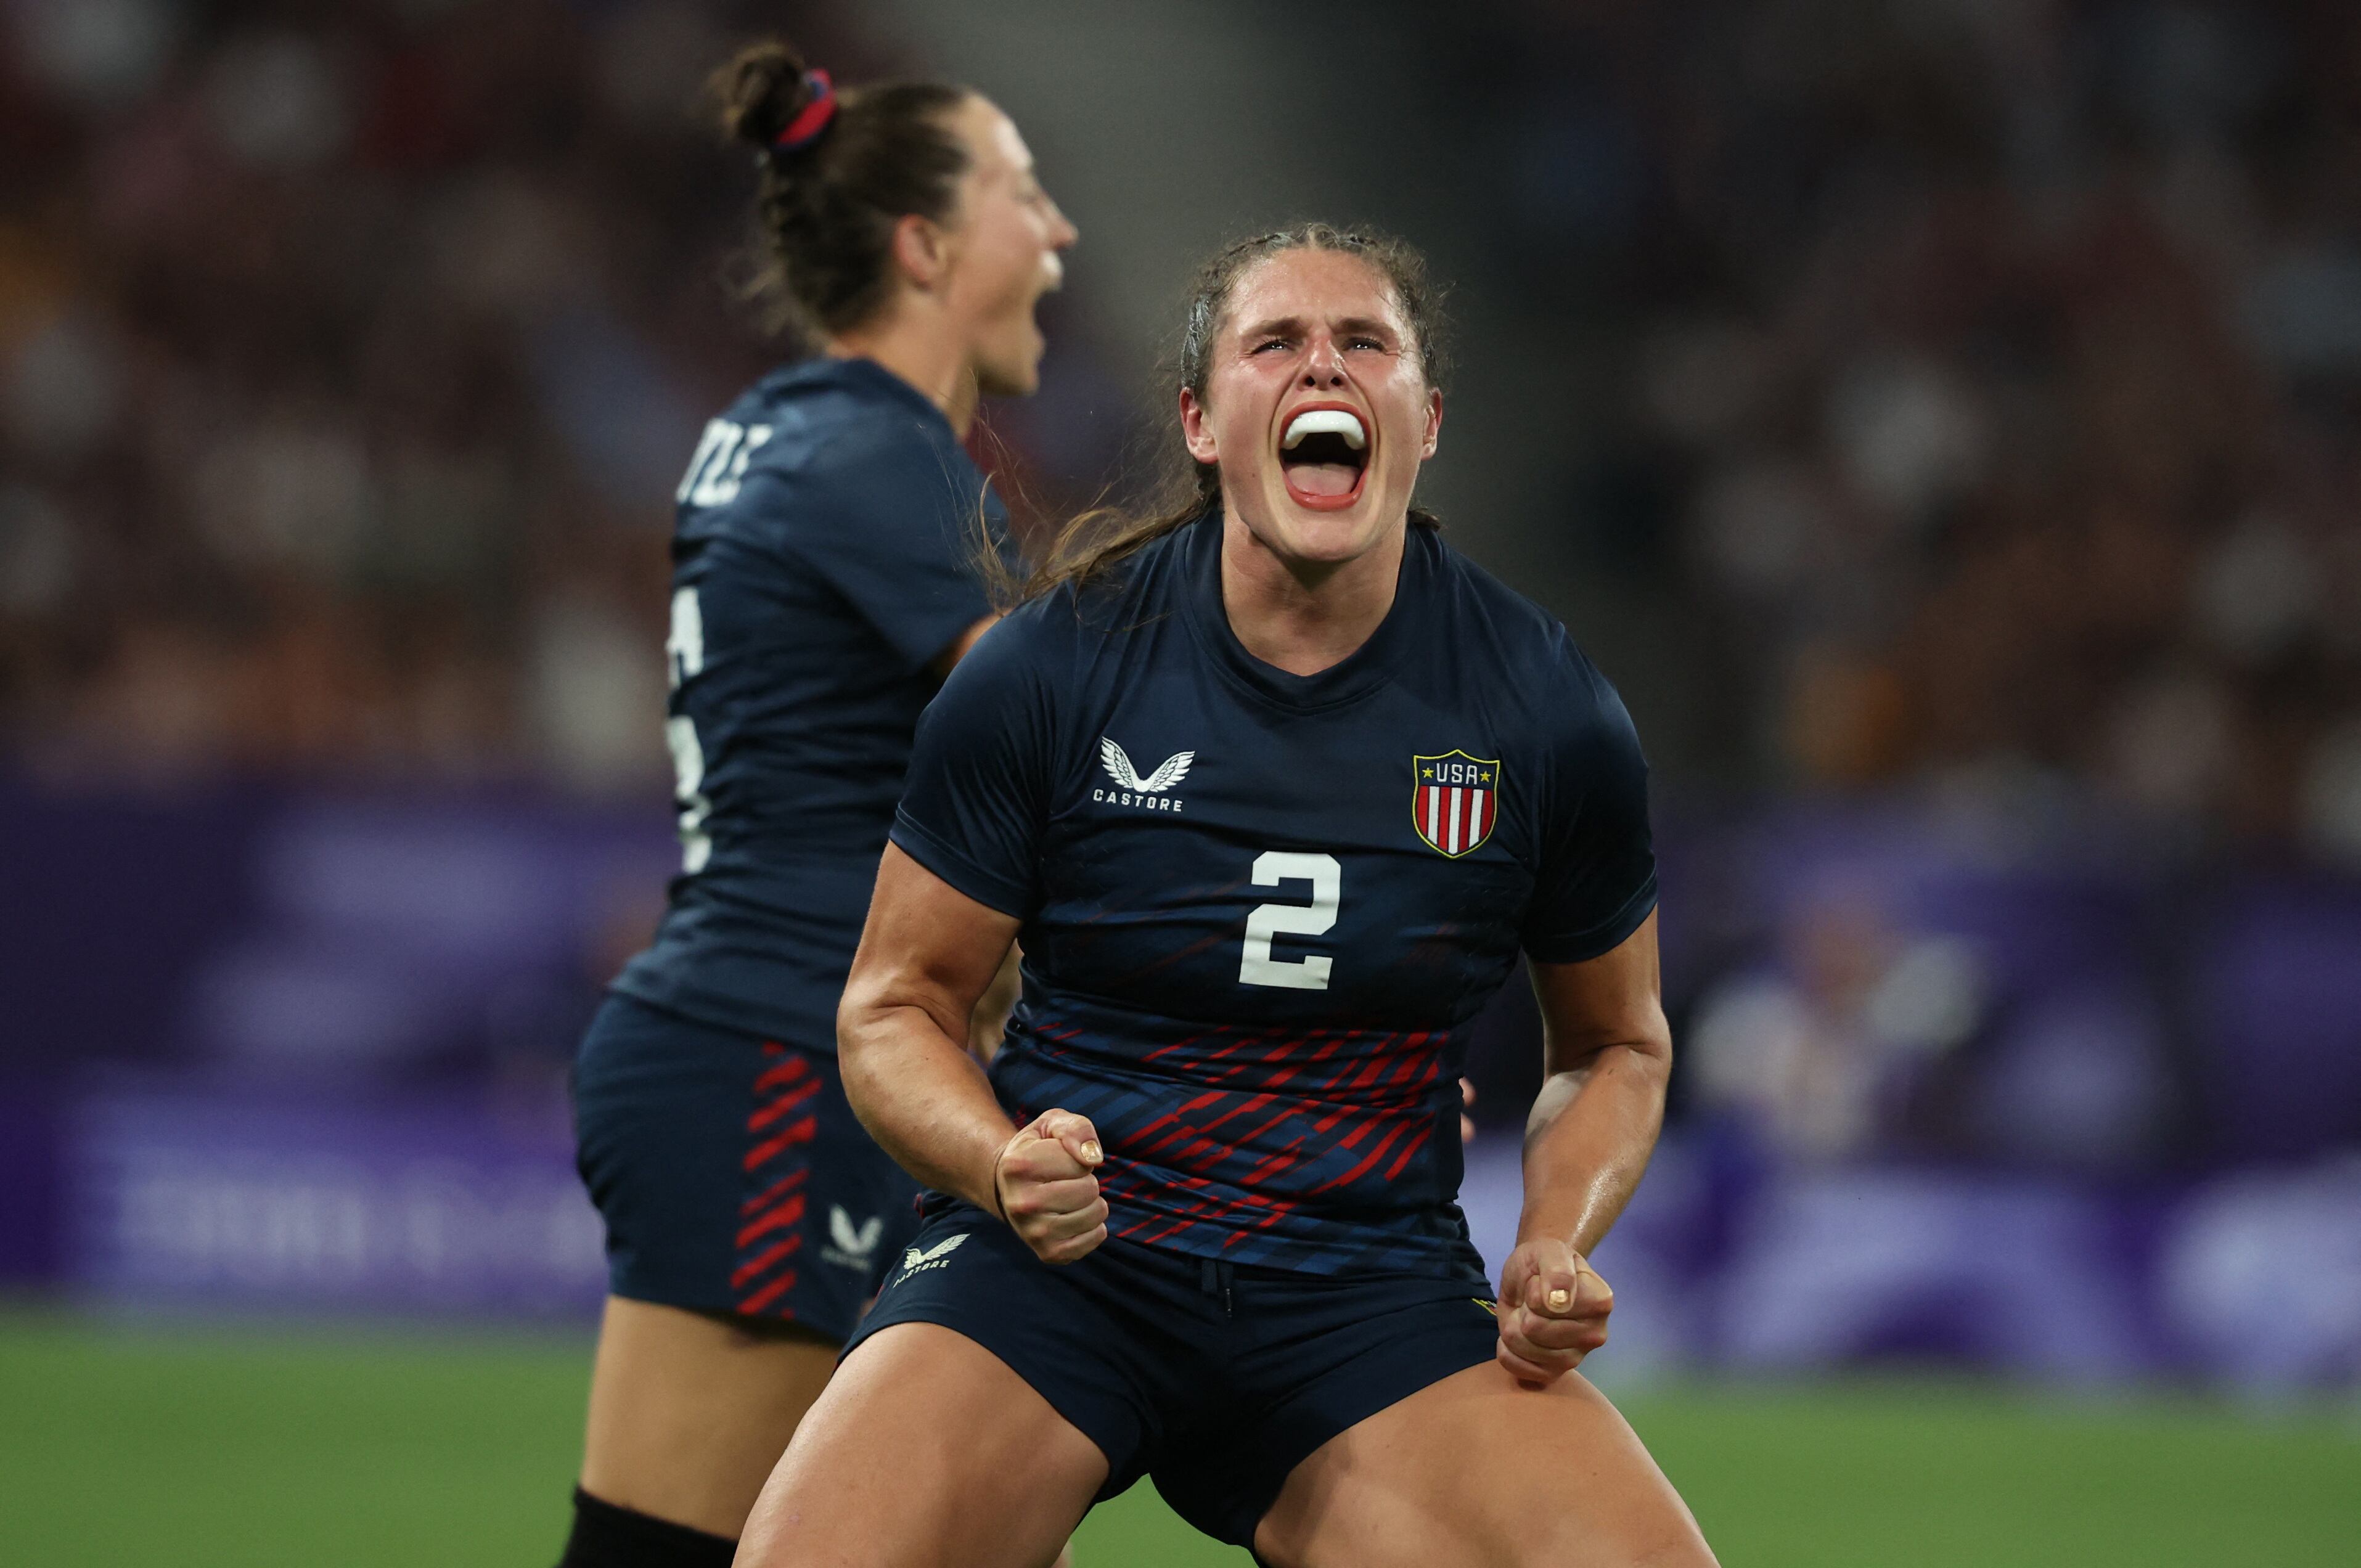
[(1938, 416)]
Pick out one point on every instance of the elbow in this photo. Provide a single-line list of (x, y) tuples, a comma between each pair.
[(1645, 1057), (1649, 1060), (1655, 1068), (1655, 1052), (856, 1037)]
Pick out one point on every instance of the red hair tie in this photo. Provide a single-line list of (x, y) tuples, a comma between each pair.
[(813, 118)]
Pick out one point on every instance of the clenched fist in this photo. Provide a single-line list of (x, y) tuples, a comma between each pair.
[(1554, 1310), (1043, 1179)]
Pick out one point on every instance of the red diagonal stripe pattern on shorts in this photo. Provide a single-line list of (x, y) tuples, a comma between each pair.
[(771, 1216)]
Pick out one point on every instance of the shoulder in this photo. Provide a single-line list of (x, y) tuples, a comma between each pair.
[(1134, 590), (1528, 648), (850, 425), (834, 459), (1053, 637)]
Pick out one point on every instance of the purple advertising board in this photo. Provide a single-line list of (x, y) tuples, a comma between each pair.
[(240, 1203)]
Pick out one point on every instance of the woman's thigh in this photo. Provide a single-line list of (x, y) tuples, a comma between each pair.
[(688, 1412), (926, 1452), (1477, 1470)]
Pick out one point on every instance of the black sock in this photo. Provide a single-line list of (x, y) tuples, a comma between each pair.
[(608, 1537)]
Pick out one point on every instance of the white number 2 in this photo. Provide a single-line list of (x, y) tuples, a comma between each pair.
[(1255, 966)]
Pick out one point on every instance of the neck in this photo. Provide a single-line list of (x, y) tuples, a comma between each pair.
[(920, 352), (1304, 616)]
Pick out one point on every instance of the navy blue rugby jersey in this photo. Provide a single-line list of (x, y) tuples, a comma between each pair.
[(1260, 910), (823, 557)]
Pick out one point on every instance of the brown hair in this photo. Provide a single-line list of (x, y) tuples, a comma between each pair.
[(1091, 543), (826, 207)]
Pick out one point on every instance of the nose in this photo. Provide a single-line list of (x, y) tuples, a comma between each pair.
[(1323, 363), (1062, 232)]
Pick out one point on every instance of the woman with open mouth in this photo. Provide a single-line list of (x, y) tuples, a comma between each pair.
[(1273, 787), (824, 580)]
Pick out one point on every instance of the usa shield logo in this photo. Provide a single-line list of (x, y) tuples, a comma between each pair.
[(1455, 800)]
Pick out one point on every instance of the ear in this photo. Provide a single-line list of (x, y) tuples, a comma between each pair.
[(921, 250), (1434, 424), (1196, 432)]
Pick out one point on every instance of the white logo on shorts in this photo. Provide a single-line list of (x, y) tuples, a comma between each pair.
[(915, 1262), (851, 1246)]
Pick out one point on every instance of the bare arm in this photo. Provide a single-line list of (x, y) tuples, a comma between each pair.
[(927, 956), (1609, 1054), (1609, 1058)]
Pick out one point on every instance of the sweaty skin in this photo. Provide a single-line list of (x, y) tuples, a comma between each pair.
[(1306, 587), (1519, 1461)]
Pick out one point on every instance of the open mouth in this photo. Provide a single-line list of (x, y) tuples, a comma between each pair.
[(1324, 455)]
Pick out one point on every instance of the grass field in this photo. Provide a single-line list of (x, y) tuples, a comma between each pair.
[(255, 1448)]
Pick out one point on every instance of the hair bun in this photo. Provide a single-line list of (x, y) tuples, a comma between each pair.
[(763, 91)]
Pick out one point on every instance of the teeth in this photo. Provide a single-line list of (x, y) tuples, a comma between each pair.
[(1324, 422)]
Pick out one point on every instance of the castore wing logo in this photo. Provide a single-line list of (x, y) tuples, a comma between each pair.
[(1150, 793), (851, 1246), (936, 1256)]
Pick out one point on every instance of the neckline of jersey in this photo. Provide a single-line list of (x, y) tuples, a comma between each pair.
[(1359, 673)]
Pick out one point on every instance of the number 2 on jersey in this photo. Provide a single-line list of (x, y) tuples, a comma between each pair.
[(1255, 966)]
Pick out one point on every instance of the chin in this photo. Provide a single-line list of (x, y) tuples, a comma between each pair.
[(1329, 537), (1013, 368), (1007, 382)]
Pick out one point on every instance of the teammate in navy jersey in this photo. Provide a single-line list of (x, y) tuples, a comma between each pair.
[(1273, 789), (824, 580)]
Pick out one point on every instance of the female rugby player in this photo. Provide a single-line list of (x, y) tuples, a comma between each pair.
[(823, 584), (1273, 788)]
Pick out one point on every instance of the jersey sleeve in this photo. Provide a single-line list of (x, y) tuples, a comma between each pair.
[(889, 520), (977, 799), (1597, 877)]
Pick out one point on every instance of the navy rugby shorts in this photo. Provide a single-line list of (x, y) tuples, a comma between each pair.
[(731, 1172), (1215, 1379)]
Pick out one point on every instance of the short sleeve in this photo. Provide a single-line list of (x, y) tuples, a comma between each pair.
[(1597, 877), (889, 521), (976, 802)]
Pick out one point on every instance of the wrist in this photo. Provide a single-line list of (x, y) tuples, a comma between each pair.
[(1547, 1222), (992, 1181)]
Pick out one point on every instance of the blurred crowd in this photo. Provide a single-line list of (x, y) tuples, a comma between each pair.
[(1985, 375), (348, 357), (1991, 381)]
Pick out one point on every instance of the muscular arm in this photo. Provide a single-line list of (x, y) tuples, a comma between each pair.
[(1588, 1138), (1610, 1055), (927, 956)]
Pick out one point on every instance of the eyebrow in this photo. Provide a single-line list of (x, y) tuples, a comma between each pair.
[(1376, 325)]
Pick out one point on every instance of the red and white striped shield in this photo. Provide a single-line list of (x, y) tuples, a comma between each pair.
[(1454, 799)]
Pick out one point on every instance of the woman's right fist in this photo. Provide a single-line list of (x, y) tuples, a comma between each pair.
[(1043, 1180)]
